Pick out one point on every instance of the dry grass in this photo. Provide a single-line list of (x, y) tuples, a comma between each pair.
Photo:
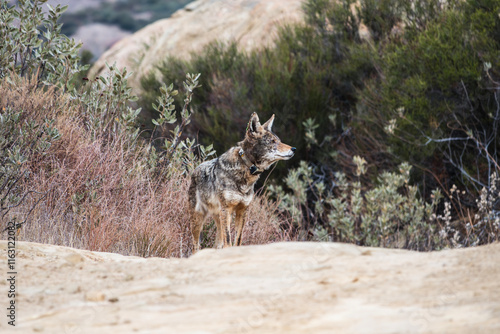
[(100, 195)]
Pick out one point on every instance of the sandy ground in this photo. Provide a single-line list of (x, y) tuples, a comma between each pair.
[(277, 288)]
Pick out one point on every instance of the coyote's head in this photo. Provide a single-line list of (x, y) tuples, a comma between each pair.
[(261, 146)]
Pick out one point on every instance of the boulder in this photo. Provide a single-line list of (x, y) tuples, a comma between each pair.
[(251, 23)]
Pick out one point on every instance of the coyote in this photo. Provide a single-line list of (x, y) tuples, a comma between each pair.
[(224, 185)]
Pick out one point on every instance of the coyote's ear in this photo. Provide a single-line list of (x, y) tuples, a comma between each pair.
[(253, 124), (269, 124)]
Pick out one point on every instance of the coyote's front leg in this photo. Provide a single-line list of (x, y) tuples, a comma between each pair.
[(239, 223), (225, 224), (219, 243)]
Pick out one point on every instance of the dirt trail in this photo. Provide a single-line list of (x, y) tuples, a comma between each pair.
[(277, 288)]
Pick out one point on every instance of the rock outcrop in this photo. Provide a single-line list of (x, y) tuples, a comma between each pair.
[(276, 288), (252, 23)]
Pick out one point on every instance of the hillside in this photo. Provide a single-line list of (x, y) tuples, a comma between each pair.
[(277, 288), (98, 24), (252, 24)]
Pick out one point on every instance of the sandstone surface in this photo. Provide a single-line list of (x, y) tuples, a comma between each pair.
[(251, 23), (276, 288)]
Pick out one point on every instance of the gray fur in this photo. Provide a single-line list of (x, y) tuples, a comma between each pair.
[(225, 185)]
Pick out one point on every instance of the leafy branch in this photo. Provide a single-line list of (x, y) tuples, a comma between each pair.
[(167, 115)]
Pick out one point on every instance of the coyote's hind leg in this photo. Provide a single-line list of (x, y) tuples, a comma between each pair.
[(197, 220)]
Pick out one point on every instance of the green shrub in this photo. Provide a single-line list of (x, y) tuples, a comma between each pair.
[(36, 49), (438, 91), (177, 153), (33, 50), (390, 214), (24, 138), (105, 104)]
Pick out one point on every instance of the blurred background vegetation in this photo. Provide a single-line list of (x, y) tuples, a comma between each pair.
[(393, 107), (74, 170)]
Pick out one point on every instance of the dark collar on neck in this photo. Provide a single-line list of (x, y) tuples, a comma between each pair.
[(254, 170)]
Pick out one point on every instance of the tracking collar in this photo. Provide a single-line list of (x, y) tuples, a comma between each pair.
[(254, 170)]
